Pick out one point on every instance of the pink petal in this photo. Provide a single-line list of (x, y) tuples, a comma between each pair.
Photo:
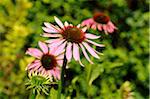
[(51, 35), (80, 62), (109, 29), (53, 40), (93, 26), (112, 25), (40, 69), (76, 52), (94, 43), (61, 56), (85, 54), (33, 65), (105, 28), (99, 26), (66, 24), (60, 62), (90, 50), (52, 50), (69, 52), (53, 73), (49, 73), (56, 43), (78, 26), (44, 47), (60, 49), (34, 52), (52, 27), (87, 22), (43, 71), (57, 73), (58, 22), (49, 30), (91, 36), (36, 67), (84, 29)]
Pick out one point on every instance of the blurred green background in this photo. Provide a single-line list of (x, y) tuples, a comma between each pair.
[(121, 73)]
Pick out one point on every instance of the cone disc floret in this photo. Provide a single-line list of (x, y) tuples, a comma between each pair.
[(101, 18), (48, 61), (73, 34)]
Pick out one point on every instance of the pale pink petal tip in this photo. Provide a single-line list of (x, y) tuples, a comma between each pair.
[(90, 50), (91, 36), (58, 22), (43, 46), (84, 29)]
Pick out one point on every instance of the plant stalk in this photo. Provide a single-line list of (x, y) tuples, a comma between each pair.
[(61, 82)]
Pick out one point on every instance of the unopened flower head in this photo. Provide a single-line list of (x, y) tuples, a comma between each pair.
[(47, 61), (101, 22), (71, 38), (38, 82)]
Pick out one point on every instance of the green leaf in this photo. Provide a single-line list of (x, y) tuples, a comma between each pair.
[(95, 73), (53, 94)]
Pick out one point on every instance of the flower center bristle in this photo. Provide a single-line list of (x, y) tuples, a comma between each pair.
[(101, 18), (48, 61), (73, 34)]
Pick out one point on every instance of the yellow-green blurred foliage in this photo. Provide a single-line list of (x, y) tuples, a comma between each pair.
[(121, 73)]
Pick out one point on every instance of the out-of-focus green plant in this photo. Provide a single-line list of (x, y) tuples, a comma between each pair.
[(125, 55)]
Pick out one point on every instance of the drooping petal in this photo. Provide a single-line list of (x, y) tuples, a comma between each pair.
[(69, 51), (91, 36), (85, 54), (76, 52), (34, 52), (94, 43), (80, 62), (90, 50), (44, 47), (58, 22), (99, 26), (93, 26), (112, 25), (105, 29), (60, 49)]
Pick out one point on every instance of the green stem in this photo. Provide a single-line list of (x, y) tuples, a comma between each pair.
[(61, 83), (89, 71), (33, 95)]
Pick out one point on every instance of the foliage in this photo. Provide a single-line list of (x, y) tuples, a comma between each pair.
[(124, 65)]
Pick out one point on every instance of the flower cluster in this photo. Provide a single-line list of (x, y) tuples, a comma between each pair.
[(66, 41), (101, 22)]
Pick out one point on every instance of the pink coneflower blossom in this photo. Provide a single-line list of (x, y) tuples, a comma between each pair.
[(71, 38), (47, 60), (101, 22)]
